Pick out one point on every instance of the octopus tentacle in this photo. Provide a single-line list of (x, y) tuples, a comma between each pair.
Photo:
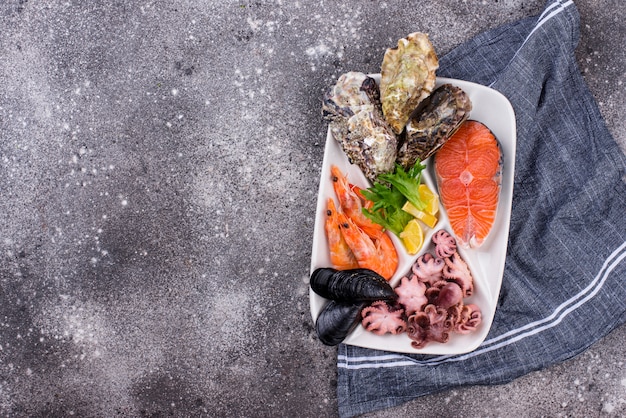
[(456, 270), (470, 318)]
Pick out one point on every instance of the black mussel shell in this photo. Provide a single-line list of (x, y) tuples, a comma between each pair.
[(351, 285), (337, 320)]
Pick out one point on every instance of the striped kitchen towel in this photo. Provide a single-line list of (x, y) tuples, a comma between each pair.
[(564, 284)]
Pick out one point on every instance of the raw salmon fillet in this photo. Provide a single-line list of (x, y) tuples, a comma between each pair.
[(469, 174)]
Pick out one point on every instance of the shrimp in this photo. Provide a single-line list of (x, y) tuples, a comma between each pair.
[(341, 256), (388, 254), (351, 204), (367, 204), (376, 254)]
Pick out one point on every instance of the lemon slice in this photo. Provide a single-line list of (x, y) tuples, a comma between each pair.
[(431, 199), (412, 237), (427, 218)]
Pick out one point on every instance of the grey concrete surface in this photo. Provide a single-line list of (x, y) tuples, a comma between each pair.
[(159, 164)]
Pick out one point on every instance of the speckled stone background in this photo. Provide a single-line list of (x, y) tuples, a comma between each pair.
[(159, 164)]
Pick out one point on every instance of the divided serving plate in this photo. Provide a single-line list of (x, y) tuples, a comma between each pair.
[(486, 263)]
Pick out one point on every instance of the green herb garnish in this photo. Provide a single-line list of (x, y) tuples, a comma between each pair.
[(391, 193)]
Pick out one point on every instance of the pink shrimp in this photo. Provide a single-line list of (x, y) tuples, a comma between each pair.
[(341, 256), (351, 204), (377, 255)]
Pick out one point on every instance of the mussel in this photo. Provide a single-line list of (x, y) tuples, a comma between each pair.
[(432, 123), (357, 123), (337, 320), (353, 285)]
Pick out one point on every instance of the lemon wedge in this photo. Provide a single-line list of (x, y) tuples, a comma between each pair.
[(412, 237), (427, 218), (431, 199)]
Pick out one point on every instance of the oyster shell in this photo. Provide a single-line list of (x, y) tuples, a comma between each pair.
[(407, 77), (432, 123), (352, 106)]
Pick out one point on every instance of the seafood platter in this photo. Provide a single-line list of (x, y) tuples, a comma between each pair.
[(413, 208)]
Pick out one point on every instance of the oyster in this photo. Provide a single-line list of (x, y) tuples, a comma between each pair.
[(352, 106), (432, 123), (407, 77)]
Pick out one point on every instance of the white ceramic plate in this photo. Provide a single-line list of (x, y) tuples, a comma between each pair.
[(486, 263)]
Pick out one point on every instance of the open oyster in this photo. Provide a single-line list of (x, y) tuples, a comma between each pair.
[(432, 123), (352, 106), (407, 78)]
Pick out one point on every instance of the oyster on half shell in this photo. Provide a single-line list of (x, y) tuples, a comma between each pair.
[(432, 123), (352, 106), (407, 78)]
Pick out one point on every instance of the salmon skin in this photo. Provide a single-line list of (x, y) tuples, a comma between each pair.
[(469, 176)]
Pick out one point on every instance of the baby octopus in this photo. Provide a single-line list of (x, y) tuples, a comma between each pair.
[(381, 318), (428, 269), (411, 294), (430, 305)]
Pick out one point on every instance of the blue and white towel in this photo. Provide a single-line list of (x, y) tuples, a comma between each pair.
[(564, 284)]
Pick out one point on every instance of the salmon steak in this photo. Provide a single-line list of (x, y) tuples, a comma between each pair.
[(468, 168)]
